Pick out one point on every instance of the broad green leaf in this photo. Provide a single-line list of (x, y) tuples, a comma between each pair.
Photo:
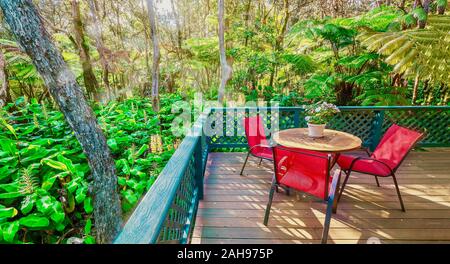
[(48, 182), (125, 167), (132, 183), (8, 145), (10, 195), (112, 143), (8, 127), (10, 230), (58, 214), (44, 205), (8, 212), (88, 227), (27, 204), (88, 208), (141, 151), (122, 181), (80, 195), (130, 196), (89, 240), (60, 226), (66, 162), (34, 221), (73, 185), (55, 164)]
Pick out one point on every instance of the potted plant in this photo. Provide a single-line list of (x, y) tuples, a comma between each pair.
[(317, 116)]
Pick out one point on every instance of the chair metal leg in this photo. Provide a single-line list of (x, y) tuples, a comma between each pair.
[(376, 179), (347, 175), (326, 225), (245, 162), (269, 203), (331, 204), (398, 193), (260, 162)]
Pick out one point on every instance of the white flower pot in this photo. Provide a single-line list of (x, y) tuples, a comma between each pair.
[(316, 130)]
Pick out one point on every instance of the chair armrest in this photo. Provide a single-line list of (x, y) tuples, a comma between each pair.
[(364, 158)]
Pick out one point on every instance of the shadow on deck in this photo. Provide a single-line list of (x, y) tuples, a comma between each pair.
[(233, 207)]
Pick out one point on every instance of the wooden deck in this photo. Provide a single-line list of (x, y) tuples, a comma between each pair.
[(233, 207)]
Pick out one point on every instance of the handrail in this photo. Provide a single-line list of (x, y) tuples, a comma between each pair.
[(145, 224)]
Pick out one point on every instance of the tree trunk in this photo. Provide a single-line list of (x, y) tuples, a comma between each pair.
[(98, 35), (441, 8), (225, 68), (5, 96), (179, 32), (156, 56), (90, 81), (426, 8), (280, 39), (247, 18), (26, 25), (415, 89)]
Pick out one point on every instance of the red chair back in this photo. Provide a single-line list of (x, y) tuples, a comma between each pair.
[(303, 170), (395, 145), (254, 132)]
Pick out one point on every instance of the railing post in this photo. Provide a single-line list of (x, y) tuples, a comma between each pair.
[(376, 129), (297, 118), (198, 164)]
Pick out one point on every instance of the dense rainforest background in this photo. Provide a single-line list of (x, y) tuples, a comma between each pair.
[(125, 62)]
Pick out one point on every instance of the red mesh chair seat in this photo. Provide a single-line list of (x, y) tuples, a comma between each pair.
[(256, 139), (385, 160), (305, 171), (263, 152), (364, 165), (306, 182)]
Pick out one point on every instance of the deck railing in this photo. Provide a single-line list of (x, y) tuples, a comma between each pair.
[(368, 123), (166, 214)]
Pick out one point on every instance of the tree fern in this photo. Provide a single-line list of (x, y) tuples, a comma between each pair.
[(422, 52)]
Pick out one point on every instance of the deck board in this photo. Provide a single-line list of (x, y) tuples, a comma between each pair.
[(233, 206)]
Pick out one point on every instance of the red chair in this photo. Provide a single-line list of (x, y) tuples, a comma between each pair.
[(257, 141), (385, 160), (306, 171)]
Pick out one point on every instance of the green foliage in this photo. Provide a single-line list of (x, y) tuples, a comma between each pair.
[(384, 18), (45, 181), (424, 53), (320, 113)]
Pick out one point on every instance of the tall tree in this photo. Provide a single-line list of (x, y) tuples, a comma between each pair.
[(90, 82), (98, 35), (4, 85), (156, 56), (25, 23), (225, 68)]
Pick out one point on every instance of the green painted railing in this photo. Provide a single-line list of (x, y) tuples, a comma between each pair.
[(166, 214), (368, 123)]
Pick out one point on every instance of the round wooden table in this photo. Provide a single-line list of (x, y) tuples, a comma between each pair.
[(332, 142)]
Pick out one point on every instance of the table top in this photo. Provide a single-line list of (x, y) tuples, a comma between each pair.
[(332, 141)]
